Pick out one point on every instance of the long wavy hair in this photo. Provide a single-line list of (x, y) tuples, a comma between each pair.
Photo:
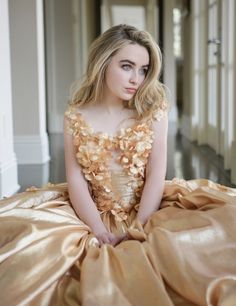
[(150, 96)]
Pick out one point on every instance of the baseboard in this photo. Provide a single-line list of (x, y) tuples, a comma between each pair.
[(233, 162), (31, 149), (8, 178)]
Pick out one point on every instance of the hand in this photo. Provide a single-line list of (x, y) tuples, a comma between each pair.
[(109, 238)]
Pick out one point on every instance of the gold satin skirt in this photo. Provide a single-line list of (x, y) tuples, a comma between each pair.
[(184, 255)]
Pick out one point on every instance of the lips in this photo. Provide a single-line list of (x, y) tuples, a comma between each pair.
[(131, 90)]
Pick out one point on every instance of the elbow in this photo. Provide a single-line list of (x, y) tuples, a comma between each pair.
[(76, 185), (156, 175)]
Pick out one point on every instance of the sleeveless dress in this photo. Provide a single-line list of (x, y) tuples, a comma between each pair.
[(184, 255)]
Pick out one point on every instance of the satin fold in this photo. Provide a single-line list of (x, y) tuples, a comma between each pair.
[(185, 255)]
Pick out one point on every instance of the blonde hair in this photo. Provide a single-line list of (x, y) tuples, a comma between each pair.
[(150, 96)]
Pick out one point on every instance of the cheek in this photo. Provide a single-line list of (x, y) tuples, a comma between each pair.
[(111, 81), (141, 80), (115, 77), (108, 77)]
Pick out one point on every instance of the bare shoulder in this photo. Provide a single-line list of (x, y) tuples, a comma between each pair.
[(72, 112), (160, 114), (160, 125), (70, 119), (87, 110)]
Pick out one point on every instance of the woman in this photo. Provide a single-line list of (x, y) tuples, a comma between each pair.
[(101, 239), (121, 84)]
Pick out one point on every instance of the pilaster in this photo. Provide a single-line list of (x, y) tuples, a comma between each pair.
[(8, 165), (28, 92)]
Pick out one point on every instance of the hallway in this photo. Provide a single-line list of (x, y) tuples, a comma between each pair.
[(186, 160), (45, 47)]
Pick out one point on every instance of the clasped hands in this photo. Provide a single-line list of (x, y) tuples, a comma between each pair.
[(110, 238), (134, 232)]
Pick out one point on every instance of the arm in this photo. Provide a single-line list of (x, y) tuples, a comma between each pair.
[(155, 172), (80, 197), (78, 189)]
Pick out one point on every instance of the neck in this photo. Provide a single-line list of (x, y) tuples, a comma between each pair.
[(112, 104)]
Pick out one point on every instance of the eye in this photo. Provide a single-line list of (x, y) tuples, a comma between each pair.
[(126, 67), (143, 71)]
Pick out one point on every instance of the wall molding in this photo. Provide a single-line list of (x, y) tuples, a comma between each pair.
[(8, 177), (31, 149)]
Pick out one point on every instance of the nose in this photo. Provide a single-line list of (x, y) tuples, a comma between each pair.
[(134, 77)]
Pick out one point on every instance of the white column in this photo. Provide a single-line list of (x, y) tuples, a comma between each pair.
[(8, 166), (168, 57), (233, 167), (28, 81), (233, 91), (203, 93), (189, 39), (196, 75), (228, 83)]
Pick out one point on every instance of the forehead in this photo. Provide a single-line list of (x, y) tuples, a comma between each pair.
[(134, 53)]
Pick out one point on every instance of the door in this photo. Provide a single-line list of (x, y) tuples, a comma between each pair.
[(214, 121)]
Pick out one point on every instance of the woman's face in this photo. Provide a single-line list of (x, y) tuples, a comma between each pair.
[(126, 71)]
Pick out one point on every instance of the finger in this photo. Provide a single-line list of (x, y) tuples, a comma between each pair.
[(116, 241), (106, 240), (111, 242), (103, 240), (99, 243)]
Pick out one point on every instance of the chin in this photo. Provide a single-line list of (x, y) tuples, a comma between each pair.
[(128, 96), (127, 99)]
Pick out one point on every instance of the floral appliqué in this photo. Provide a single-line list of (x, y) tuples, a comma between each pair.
[(94, 152)]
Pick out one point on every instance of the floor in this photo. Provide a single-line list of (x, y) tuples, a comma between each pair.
[(185, 160)]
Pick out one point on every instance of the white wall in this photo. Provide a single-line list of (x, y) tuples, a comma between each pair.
[(61, 64), (195, 125), (8, 166), (169, 59), (70, 29), (28, 81)]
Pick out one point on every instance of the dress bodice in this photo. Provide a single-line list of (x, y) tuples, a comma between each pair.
[(112, 190)]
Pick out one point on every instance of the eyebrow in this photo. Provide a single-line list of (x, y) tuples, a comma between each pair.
[(132, 63)]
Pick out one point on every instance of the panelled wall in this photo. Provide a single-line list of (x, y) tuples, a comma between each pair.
[(209, 115), (70, 27)]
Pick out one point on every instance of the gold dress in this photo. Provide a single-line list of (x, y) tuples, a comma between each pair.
[(184, 255)]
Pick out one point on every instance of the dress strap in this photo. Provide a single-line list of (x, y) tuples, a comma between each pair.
[(72, 118), (159, 114)]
